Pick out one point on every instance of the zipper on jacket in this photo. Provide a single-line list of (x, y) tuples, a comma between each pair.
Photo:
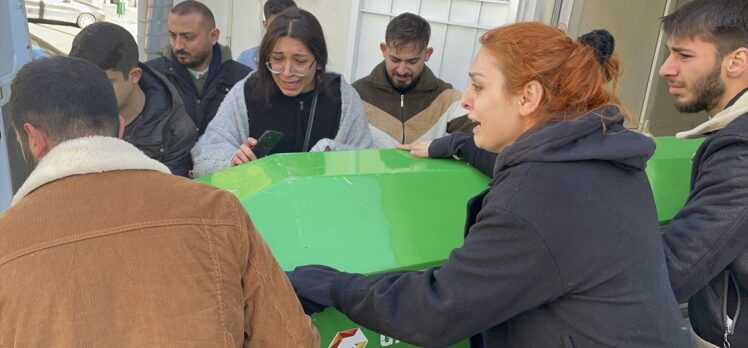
[(729, 322), (402, 116), (300, 126)]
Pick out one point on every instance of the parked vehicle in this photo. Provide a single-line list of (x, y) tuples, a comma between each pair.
[(67, 11)]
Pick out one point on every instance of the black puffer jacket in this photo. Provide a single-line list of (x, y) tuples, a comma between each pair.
[(223, 74), (562, 250), (708, 238), (163, 130)]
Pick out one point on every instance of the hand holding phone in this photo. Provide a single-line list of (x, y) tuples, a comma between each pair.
[(254, 149), (266, 143)]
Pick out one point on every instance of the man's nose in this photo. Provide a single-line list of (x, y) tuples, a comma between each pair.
[(668, 68), (402, 68), (177, 44)]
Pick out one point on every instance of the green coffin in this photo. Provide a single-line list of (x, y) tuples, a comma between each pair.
[(669, 172), (381, 210)]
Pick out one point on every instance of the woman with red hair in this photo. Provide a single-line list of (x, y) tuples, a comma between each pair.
[(563, 248)]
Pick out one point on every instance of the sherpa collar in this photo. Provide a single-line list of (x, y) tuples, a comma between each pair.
[(719, 121), (86, 155)]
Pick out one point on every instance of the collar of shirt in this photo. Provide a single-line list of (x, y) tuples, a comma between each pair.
[(199, 75)]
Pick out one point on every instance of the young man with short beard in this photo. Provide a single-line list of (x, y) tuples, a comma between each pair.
[(154, 115), (403, 99), (706, 243), (200, 67)]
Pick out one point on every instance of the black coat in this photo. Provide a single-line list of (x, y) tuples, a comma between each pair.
[(462, 145), (709, 236), (202, 106), (162, 130), (562, 250)]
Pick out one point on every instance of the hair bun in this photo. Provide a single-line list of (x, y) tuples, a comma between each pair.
[(602, 43)]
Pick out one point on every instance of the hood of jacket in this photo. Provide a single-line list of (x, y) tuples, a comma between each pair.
[(597, 136), (427, 82)]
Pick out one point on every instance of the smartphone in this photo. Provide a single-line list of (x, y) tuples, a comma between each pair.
[(266, 142)]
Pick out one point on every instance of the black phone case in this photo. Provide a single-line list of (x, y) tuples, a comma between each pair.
[(266, 143)]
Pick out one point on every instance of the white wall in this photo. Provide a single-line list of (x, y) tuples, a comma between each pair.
[(456, 27), (240, 22)]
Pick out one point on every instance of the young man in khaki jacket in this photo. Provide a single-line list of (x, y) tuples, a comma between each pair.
[(404, 101), (102, 247)]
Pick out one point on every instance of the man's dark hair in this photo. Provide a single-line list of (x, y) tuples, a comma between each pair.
[(408, 29), (300, 25), (107, 45), (67, 98), (191, 6), (723, 23), (274, 7)]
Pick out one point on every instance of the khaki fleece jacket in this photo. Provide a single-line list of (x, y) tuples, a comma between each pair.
[(430, 110)]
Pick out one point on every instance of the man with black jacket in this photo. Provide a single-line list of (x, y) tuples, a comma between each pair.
[(706, 244), (200, 68), (156, 122)]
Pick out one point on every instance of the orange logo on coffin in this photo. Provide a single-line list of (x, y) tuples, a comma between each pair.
[(353, 338)]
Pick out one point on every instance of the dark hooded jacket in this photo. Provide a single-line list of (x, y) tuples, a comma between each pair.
[(462, 145), (162, 130), (706, 243), (223, 73), (562, 250)]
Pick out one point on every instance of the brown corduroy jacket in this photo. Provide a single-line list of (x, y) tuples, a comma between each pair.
[(102, 248)]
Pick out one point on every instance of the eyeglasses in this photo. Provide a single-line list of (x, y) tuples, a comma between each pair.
[(296, 69)]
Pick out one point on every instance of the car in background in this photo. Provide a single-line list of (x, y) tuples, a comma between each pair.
[(43, 49), (67, 11)]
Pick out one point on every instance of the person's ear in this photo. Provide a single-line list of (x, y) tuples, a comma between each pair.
[(121, 130), (383, 48), (265, 24), (39, 142), (214, 33), (135, 74), (428, 53), (737, 62), (532, 95)]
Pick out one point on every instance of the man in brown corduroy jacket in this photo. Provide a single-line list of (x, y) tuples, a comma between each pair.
[(102, 247)]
